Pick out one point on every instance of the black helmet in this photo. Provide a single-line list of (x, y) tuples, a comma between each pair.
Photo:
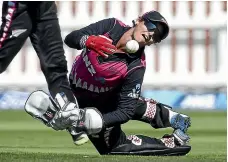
[(159, 21)]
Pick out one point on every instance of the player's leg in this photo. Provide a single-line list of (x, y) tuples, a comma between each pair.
[(160, 115), (168, 145), (113, 141), (106, 140), (15, 28), (47, 41)]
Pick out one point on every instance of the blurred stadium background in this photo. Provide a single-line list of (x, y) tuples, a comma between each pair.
[(187, 71)]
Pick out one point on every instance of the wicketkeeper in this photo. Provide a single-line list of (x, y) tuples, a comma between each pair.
[(112, 84)]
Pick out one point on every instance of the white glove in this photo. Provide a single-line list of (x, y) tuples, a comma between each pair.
[(89, 120), (65, 118), (58, 114)]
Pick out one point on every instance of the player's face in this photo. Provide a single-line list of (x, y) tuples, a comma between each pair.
[(146, 33)]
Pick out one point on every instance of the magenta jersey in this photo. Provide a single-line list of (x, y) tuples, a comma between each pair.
[(95, 73), (89, 73), (112, 84)]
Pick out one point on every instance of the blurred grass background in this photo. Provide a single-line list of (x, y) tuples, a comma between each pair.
[(25, 139)]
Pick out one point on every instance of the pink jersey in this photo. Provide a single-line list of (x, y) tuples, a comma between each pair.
[(89, 73)]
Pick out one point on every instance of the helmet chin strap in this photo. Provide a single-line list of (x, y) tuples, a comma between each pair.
[(132, 36)]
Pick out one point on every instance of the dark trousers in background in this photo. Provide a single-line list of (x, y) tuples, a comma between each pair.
[(39, 22)]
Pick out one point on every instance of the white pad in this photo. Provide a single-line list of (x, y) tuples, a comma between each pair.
[(37, 105), (93, 121), (42, 107)]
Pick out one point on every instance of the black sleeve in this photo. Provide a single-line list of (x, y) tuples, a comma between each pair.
[(75, 38), (128, 99)]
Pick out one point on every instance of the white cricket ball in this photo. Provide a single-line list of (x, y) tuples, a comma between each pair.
[(132, 46)]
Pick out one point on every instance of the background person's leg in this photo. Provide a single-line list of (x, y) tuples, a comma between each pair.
[(47, 41), (15, 29)]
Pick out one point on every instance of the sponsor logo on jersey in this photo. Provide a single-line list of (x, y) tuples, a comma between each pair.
[(135, 91)]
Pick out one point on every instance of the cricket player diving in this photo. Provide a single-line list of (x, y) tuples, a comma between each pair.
[(108, 87)]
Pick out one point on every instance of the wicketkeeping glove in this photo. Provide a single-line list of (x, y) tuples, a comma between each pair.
[(57, 113), (100, 44), (60, 114)]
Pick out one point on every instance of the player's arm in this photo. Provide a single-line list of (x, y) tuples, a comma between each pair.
[(132, 106), (128, 99), (77, 39)]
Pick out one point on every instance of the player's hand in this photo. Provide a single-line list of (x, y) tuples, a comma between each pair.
[(65, 118), (57, 113), (100, 44), (67, 115), (60, 114), (88, 120)]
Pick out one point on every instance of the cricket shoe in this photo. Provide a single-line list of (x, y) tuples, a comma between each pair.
[(79, 138), (177, 138), (180, 137), (176, 143), (180, 121)]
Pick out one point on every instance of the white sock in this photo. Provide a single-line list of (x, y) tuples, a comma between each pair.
[(171, 114)]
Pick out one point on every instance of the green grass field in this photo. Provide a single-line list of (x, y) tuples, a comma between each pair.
[(25, 139)]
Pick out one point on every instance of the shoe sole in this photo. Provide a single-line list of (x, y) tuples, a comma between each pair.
[(180, 122), (82, 139)]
